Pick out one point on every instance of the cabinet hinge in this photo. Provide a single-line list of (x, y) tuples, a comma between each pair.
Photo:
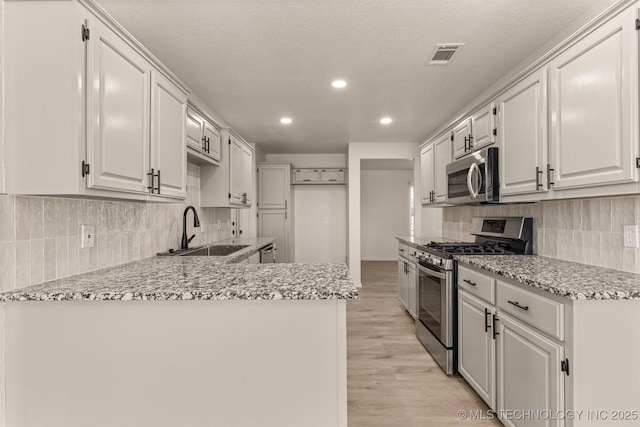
[(86, 168), (85, 33), (451, 137), (564, 366), (637, 24), (229, 195), (229, 141), (495, 131), (495, 111), (638, 162)]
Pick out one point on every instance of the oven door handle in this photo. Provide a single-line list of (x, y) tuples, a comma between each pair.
[(474, 170), (432, 272)]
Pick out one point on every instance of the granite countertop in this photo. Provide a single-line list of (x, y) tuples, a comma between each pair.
[(198, 278), (414, 242), (568, 279)]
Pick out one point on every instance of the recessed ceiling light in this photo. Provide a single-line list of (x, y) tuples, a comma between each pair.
[(386, 120), (286, 120), (339, 84)]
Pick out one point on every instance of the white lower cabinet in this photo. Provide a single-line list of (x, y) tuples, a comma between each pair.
[(476, 345), (528, 373), (539, 359), (403, 284), (276, 223), (407, 280)]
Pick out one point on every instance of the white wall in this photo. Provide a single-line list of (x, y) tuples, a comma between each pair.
[(368, 150), (320, 223), (385, 212)]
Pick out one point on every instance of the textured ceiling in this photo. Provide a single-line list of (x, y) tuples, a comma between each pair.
[(254, 61)]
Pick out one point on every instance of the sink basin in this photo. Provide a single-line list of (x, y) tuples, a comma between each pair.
[(215, 250)]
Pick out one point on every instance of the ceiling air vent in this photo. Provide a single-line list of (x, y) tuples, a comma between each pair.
[(443, 52)]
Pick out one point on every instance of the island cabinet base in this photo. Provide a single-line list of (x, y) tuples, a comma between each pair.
[(176, 363)]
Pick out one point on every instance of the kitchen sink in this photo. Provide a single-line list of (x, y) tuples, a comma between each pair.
[(215, 250)]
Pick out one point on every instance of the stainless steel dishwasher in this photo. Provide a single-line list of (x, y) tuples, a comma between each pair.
[(268, 254)]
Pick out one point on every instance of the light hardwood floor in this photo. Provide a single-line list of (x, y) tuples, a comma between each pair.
[(391, 379)]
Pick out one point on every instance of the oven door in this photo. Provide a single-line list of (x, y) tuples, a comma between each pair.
[(435, 303)]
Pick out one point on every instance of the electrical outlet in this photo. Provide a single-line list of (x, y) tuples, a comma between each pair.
[(630, 236), (88, 236)]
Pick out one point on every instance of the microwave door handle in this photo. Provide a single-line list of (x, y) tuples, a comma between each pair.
[(472, 168)]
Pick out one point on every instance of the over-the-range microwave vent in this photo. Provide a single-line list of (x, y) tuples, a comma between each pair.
[(443, 52)]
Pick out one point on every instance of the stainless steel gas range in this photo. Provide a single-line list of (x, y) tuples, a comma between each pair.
[(436, 324)]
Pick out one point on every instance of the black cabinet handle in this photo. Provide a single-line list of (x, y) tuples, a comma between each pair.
[(158, 176), (151, 186), (466, 140), (469, 282), (521, 307), (538, 173), (470, 142), (495, 329), (486, 320), (549, 170)]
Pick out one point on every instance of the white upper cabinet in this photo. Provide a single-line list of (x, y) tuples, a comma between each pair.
[(442, 157), (474, 132), (106, 111), (274, 181), (168, 156), (203, 139), (522, 133), (211, 142), (427, 174), (119, 92), (231, 183), (194, 130), (461, 137), (593, 107)]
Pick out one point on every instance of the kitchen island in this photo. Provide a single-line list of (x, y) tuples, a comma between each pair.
[(180, 341)]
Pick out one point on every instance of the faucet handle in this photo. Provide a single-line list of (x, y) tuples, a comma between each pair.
[(190, 238)]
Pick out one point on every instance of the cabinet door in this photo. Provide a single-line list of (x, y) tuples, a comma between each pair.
[(275, 223), (211, 147), (168, 155), (427, 174), (236, 178), (476, 346), (523, 136), (528, 372), (194, 130), (412, 290), (461, 137), (403, 283), (117, 113), (247, 175), (483, 123), (593, 107), (306, 175), (332, 175), (442, 157), (273, 187)]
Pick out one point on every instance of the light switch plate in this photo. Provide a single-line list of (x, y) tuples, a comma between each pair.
[(88, 236), (630, 234)]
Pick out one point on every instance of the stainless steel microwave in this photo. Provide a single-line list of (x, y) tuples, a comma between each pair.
[(474, 178)]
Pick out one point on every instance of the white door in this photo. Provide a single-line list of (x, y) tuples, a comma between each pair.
[(483, 122), (247, 174), (118, 113), (273, 186), (211, 140), (462, 138), (403, 283), (442, 157), (522, 133), (168, 155), (594, 114), (476, 346), (426, 174), (235, 171), (275, 223), (528, 373)]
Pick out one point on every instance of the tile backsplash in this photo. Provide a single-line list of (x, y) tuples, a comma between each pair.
[(587, 231), (40, 236)]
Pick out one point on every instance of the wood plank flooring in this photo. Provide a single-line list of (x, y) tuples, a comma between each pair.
[(391, 379)]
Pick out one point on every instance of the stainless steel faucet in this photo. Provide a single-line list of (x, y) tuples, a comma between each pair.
[(196, 223)]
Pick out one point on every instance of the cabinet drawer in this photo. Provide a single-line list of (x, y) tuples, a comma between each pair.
[(403, 250), (305, 175), (332, 175), (542, 313), (477, 284)]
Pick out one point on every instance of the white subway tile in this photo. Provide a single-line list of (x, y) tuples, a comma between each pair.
[(7, 266), (23, 263), (7, 219)]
